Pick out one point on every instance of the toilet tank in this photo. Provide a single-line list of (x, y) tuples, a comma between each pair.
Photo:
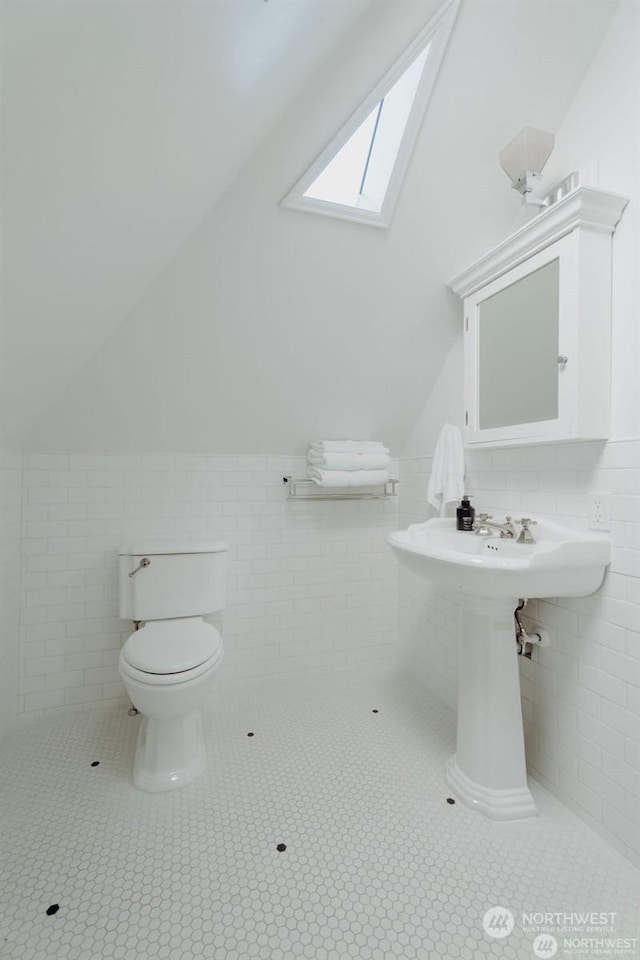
[(172, 579)]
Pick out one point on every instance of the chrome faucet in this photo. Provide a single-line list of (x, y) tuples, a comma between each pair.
[(484, 525)]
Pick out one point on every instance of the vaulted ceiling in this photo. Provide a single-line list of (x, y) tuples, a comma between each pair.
[(123, 122), (129, 125)]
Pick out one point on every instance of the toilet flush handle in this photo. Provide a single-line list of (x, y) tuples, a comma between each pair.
[(145, 562)]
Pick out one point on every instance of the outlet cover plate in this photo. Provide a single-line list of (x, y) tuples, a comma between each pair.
[(599, 511)]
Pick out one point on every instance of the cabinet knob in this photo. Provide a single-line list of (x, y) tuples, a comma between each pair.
[(562, 360)]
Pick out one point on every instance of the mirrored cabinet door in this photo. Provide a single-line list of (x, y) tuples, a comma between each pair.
[(521, 351), (518, 351)]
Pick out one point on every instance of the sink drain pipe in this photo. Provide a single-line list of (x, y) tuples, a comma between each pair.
[(527, 641)]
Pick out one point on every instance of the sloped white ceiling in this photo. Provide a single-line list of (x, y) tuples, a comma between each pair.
[(272, 327), (123, 121)]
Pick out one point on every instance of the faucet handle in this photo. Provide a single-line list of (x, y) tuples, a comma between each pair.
[(525, 534), (484, 516)]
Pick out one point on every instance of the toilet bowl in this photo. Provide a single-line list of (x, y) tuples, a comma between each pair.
[(167, 668), (167, 665)]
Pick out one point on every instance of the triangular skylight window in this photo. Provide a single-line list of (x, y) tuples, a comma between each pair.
[(359, 174)]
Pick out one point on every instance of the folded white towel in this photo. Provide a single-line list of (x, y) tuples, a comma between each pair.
[(349, 446), (348, 461), (446, 482), (347, 478)]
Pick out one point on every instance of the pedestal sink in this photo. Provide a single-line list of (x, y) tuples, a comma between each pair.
[(490, 575)]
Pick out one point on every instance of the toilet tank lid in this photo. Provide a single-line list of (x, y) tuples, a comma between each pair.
[(153, 548)]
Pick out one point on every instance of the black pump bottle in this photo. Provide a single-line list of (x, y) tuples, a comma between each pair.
[(465, 514)]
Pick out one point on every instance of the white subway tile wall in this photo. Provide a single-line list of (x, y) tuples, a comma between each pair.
[(312, 586), (10, 554), (581, 695)]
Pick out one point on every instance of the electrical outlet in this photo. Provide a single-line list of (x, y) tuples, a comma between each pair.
[(599, 511)]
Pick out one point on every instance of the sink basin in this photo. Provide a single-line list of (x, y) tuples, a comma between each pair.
[(561, 563), (489, 575)]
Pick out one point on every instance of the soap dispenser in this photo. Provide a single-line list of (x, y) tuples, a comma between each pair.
[(465, 514)]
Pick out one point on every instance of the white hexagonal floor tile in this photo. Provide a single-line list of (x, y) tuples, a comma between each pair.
[(347, 774)]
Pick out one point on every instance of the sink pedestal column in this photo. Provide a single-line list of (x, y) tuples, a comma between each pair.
[(488, 770)]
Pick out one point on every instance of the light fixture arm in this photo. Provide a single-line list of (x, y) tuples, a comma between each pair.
[(525, 184)]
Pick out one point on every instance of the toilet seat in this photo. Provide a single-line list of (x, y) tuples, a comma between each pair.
[(171, 651), (161, 679)]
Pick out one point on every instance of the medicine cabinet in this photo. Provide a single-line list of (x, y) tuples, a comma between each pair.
[(537, 327)]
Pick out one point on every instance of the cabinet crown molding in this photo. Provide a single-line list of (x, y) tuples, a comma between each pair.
[(585, 208)]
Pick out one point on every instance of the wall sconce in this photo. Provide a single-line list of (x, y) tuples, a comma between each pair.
[(523, 160)]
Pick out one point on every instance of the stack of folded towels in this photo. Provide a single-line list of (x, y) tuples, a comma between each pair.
[(348, 463)]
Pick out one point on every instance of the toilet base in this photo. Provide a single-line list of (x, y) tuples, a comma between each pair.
[(170, 752)]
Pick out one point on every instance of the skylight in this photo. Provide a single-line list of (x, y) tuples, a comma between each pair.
[(359, 174)]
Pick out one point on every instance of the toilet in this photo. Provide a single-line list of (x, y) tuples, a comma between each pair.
[(168, 663)]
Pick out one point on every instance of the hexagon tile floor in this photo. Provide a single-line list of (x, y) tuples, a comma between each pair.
[(347, 774)]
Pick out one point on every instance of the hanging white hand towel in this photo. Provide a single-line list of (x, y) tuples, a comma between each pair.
[(446, 483)]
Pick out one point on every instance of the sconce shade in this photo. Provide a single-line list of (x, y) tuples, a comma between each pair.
[(528, 151)]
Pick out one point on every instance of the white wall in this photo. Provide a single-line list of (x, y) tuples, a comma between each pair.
[(10, 563), (122, 124), (274, 326), (311, 586), (581, 697)]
